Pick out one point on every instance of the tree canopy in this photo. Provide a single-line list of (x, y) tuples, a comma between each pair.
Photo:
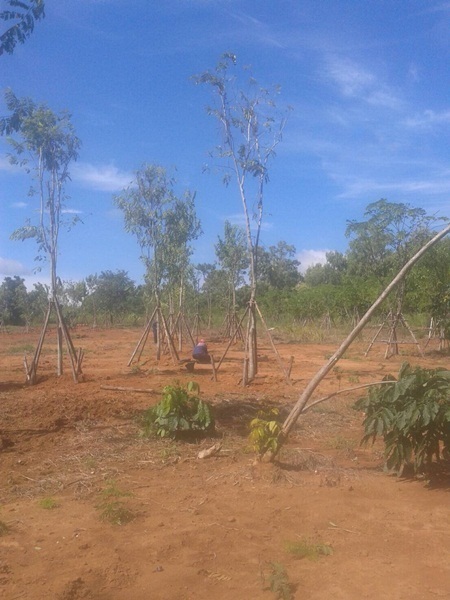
[(45, 147), (231, 252), (251, 129), (163, 224), (20, 17)]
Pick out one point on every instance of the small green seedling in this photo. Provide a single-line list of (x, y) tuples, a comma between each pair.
[(48, 503), (265, 432), (306, 549), (111, 508)]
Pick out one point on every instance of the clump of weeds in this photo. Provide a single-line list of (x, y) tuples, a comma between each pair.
[(278, 581), (307, 549), (48, 503), (112, 507)]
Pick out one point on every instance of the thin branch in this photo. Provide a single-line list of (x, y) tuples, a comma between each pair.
[(358, 387)]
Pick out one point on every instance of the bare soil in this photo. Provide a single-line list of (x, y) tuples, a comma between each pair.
[(72, 462)]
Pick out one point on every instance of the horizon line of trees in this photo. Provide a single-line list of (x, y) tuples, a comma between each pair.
[(339, 290)]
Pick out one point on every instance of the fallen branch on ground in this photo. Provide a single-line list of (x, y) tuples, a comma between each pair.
[(127, 389)]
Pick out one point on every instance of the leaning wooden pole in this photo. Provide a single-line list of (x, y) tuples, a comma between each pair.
[(231, 339), (188, 329), (321, 374), (75, 360), (285, 371), (141, 343), (32, 370), (172, 350)]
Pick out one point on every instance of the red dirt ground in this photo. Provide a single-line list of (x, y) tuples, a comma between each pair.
[(213, 528)]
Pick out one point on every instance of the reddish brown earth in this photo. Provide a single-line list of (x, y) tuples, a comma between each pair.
[(212, 528)]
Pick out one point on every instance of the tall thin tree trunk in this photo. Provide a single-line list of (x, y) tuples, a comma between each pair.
[(251, 344)]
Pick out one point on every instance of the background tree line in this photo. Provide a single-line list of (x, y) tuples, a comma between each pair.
[(335, 292)]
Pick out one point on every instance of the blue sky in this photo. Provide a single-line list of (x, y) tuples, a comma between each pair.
[(368, 82)]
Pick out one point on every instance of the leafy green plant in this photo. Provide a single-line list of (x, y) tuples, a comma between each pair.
[(48, 503), (111, 508), (279, 582), (179, 411), (265, 431), (412, 415), (306, 549)]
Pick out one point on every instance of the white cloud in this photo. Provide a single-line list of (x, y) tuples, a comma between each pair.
[(30, 280), (351, 79), (364, 187), (9, 268), (308, 258), (358, 83), (429, 117), (104, 178), (71, 211), (19, 205)]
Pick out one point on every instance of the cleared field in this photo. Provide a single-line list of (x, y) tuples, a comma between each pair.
[(91, 510)]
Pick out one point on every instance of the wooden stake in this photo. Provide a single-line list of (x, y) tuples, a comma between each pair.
[(37, 353), (231, 340), (172, 349), (60, 351), (245, 372), (213, 368), (143, 338), (70, 347), (274, 348), (289, 369)]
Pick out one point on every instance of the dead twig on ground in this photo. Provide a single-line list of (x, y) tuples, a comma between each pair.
[(115, 388), (334, 526)]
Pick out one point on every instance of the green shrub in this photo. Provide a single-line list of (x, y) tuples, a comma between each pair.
[(265, 432), (412, 415), (179, 411)]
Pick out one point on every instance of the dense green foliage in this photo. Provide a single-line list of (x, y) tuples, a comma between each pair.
[(179, 411), (163, 224), (20, 16), (412, 415), (44, 146)]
